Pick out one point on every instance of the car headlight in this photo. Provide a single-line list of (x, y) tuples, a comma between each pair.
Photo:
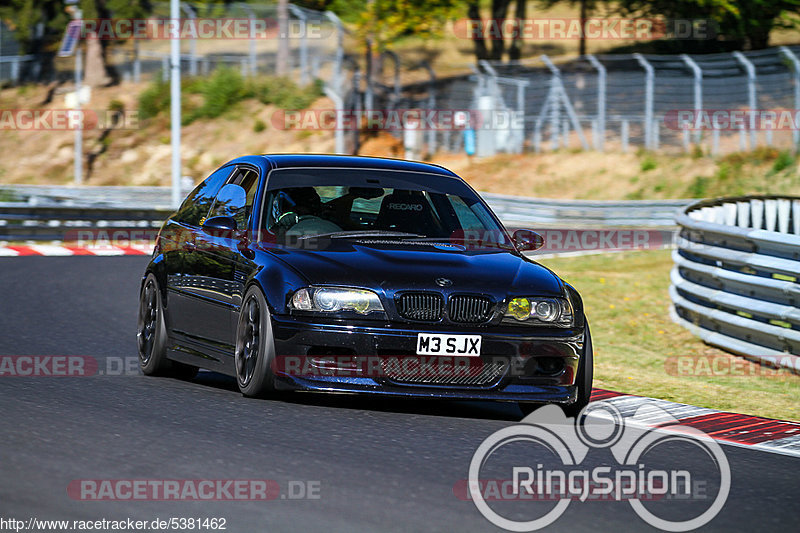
[(332, 300), (542, 311)]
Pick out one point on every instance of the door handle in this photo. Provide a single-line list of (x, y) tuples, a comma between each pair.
[(189, 246)]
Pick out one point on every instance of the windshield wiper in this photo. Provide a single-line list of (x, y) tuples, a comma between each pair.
[(449, 240), (363, 233)]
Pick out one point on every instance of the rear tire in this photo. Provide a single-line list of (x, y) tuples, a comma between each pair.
[(255, 348), (151, 336)]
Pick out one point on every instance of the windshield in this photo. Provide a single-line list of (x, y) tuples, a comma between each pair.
[(375, 205)]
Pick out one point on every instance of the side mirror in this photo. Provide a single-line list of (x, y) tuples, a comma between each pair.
[(230, 199), (526, 240), (220, 226)]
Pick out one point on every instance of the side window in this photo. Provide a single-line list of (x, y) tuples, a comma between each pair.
[(196, 206), (466, 216), (247, 179)]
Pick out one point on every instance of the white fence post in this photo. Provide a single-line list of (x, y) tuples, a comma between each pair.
[(751, 93), (649, 81), (192, 14), (796, 63), (300, 14), (601, 102), (698, 92)]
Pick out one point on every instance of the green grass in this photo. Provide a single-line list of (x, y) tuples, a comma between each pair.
[(627, 304)]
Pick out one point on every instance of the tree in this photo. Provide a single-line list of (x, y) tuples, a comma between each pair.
[(586, 8), (488, 29), (23, 17), (747, 23), (385, 21)]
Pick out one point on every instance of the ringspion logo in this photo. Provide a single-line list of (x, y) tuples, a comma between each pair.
[(661, 488)]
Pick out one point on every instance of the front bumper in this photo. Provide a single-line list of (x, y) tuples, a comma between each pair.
[(334, 356)]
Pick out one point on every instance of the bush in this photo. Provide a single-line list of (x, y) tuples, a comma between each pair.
[(259, 126), (154, 99), (784, 160), (648, 163), (284, 93), (116, 106), (223, 90), (698, 187)]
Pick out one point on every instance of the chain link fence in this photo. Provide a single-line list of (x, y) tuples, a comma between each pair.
[(622, 102), (314, 46)]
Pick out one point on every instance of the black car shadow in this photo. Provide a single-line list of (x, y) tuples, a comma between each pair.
[(364, 402)]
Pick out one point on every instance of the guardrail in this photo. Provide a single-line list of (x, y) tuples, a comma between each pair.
[(45, 212), (634, 213), (736, 279), (58, 223)]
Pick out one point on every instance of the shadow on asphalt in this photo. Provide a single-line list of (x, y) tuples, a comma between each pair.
[(412, 406)]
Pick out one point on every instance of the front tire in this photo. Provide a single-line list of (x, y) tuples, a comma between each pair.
[(583, 381), (585, 378), (255, 348)]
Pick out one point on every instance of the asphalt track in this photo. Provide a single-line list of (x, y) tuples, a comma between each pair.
[(382, 465)]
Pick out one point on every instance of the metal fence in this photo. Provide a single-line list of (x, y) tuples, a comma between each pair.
[(620, 102), (314, 47), (736, 279)]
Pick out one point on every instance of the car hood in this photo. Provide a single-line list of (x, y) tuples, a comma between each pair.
[(418, 265)]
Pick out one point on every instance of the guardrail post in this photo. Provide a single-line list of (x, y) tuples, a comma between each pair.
[(698, 92), (751, 93), (791, 56), (649, 82), (601, 102)]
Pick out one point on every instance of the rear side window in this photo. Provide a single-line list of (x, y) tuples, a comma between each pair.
[(196, 206)]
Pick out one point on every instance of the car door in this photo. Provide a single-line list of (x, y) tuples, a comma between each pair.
[(210, 270), (177, 242)]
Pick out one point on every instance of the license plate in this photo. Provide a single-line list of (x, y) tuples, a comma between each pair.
[(438, 344)]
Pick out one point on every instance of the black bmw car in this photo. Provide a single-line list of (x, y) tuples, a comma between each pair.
[(359, 275)]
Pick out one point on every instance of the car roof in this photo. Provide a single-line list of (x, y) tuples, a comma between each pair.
[(347, 161)]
